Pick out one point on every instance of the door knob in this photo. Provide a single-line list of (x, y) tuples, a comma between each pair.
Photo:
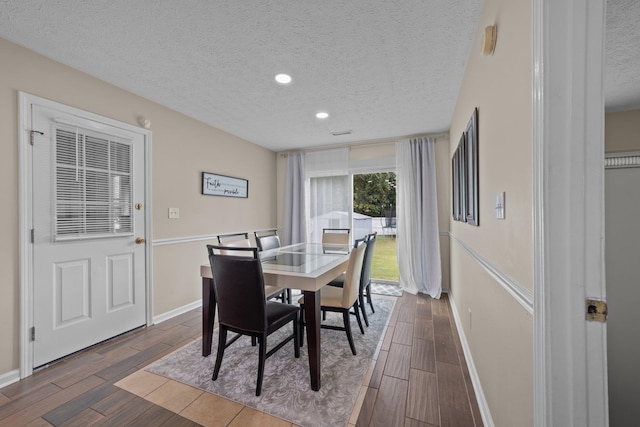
[(140, 240)]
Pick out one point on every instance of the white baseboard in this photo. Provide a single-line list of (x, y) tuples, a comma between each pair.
[(487, 420), (9, 378), (176, 312)]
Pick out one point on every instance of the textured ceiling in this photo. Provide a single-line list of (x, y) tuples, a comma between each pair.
[(381, 68), (622, 55)]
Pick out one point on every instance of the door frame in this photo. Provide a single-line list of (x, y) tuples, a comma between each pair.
[(570, 360), (25, 214)]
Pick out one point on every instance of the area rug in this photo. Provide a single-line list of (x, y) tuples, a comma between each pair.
[(286, 391), (386, 289)]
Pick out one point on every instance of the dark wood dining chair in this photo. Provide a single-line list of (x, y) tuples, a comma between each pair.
[(228, 246), (266, 240), (364, 291), (243, 308), (232, 237), (342, 300)]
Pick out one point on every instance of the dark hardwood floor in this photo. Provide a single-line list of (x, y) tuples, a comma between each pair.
[(420, 378)]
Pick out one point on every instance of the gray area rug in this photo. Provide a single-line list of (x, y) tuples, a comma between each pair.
[(386, 289), (286, 391)]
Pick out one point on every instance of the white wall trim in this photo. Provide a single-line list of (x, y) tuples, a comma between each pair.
[(622, 160), (570, 360), (521, 294), (207, 237), (485, 412), (181, 240), (176, 312), (9, 378)]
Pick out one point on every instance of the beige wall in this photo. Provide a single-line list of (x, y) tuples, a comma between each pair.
[(498, 329), (622, 131), (182, 149)]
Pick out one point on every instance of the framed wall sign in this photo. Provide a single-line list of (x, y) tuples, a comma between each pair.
[(222, 185)]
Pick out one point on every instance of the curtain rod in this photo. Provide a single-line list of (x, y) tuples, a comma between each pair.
[(368, 143)]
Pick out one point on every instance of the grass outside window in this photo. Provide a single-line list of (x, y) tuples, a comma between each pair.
[(385, 263)]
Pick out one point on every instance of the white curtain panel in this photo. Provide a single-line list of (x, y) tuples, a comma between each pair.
[(295, 218), (329, 191), (417, 217)]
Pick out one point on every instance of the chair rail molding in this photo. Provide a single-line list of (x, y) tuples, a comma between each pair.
[(622, 160), (200, 238), (520, 293)]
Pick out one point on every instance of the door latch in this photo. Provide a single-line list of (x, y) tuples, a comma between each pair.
[(596, 310)]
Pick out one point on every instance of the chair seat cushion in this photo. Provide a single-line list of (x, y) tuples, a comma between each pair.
[(330, 297), (279, 313)]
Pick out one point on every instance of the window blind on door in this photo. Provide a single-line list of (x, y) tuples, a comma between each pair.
[(93, 184)]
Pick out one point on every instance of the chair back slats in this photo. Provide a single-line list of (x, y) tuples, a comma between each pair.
[(339, 236), (239, 288), (240, 243), (351, 285), (269, 241), (231, 237)]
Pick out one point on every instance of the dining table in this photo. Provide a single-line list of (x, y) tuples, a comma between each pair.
[(304, 266)]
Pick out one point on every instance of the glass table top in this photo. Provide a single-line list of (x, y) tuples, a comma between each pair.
[(303, 258)]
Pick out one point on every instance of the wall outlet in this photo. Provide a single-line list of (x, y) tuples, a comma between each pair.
[(174, 213)]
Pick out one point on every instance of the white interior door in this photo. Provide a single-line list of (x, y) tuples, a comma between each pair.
[(622, 255), (88, 233)]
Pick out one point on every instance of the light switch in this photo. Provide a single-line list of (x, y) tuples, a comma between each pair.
[(500, 207), (174, 213)]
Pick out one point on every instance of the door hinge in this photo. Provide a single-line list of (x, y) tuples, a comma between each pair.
[(33, 235), (596, 310), (33, 333), (31, 136)]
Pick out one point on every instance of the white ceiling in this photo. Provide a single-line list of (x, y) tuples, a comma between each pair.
[(380, 68)]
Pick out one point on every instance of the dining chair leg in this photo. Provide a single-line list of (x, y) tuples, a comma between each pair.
[(222, 341), (302, 326), (262, 352), (347, 327), (362, 309), (288, 291), (296, 337), (373, 310), (356, 308)]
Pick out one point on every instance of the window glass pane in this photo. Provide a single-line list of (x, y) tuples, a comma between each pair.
[(93, 184)]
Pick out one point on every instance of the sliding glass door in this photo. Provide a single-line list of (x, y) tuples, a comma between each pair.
[(374, 210), (356, 191)]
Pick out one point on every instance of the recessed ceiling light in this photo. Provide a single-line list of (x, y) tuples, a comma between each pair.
[(283, 79), (322, 115)]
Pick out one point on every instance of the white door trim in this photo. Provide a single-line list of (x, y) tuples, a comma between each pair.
[(570, 367), (25, 220)]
